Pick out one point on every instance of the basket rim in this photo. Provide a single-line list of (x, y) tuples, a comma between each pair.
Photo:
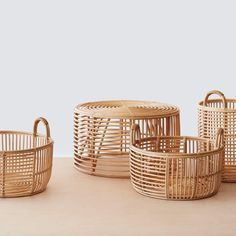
[(50, 142), (201, 105), (122, 109), (128, 117), (151, 154)]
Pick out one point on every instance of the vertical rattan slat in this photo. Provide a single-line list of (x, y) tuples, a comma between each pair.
[(176, 168), (220, 113), (25, 161), (102, 133)]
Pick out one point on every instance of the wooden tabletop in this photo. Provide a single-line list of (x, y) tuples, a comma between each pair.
[(79, 204)]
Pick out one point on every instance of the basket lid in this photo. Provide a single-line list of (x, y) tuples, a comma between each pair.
[(126, 109)]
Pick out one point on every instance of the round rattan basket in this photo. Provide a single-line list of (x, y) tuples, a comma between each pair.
[(220, 113), (102, 133), (176, 168), (25, 161)]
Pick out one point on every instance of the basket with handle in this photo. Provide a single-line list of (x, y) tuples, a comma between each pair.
[(25, 161), (176, 167), (220, 113)]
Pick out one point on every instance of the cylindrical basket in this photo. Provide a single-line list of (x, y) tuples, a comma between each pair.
[(25, 161), (176, 168), (220, 113), (102, 133)]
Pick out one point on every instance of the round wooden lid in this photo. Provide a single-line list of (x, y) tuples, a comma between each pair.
[(126, 109)]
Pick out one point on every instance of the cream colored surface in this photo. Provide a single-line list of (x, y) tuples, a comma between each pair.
[(79, 204)]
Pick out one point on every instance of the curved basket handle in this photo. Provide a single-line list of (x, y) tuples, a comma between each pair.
[(219, 138), (217, 92), (135, 134), (44, 121)]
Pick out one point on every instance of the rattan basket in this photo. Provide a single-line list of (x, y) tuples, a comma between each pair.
[(102, 133), (25, 161), (176, 168), (220, 113)]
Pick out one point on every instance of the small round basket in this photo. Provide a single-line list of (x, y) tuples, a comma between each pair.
[(102, 133), (220, 113), (25, 161), (176, 168)]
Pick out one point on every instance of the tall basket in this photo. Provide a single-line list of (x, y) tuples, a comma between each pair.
[(102, 133), (25, 161), (220, 113), (176, 168)]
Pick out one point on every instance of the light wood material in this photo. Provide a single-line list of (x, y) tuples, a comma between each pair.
[(75, 204), (220, 113), (176, 168), (25, 161), (102, 133)]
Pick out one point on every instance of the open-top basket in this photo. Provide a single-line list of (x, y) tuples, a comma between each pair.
[(220, 113), (176, 168), (25, 161)]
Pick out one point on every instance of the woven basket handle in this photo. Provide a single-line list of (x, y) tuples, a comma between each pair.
[(217, 93), (44, 121), (135, 134), (219, 141)]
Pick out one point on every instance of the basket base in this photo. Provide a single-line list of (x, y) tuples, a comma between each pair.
[(204, 188), (174, 199), (19, 185), (22, 195), (117, 167), (229, 174)]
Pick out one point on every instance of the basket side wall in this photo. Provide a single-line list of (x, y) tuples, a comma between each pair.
[(175, 177), (24, 173), (209, 120), (101, 145)]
